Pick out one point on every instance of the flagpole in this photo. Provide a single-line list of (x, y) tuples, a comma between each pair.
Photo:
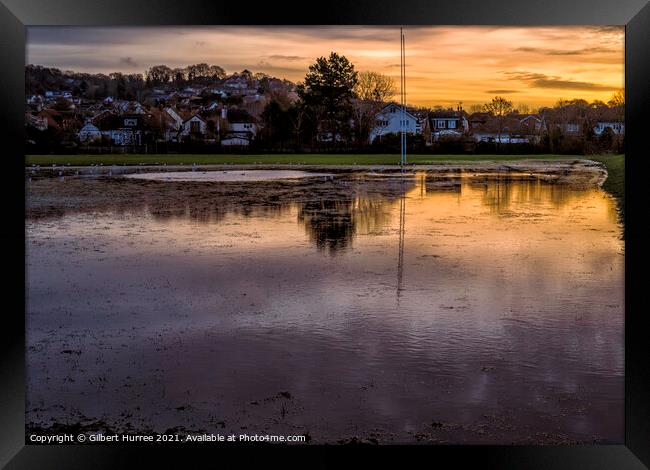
[(403, 97)]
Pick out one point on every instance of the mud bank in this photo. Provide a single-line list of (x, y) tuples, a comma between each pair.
[(582, 171), (53, 191)]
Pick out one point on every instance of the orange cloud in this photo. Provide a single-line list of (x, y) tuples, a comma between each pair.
[(445, 64)]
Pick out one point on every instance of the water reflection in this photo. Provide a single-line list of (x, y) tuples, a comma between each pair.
[(446, 299), (335, 212)]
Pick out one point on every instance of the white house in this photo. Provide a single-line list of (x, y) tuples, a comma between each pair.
[(193, 126), (89, 133), (243, 128), (391, 119), (617, 127)]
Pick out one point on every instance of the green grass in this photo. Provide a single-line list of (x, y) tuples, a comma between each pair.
[(615, 182), (615, 164), (296, 159)]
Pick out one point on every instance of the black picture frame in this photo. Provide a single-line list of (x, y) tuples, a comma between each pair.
[(15, 15)]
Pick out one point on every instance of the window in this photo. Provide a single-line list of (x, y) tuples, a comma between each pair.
[(452, 125), (195, 127), (440, 124)]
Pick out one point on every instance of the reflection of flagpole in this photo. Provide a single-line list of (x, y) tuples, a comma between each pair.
[(402, 162), (400, 256)]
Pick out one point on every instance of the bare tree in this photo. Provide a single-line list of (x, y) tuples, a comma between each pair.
[(500, 108), (618, 98), (373, 86), (371, 92), (523, 108), (618, 103), (159, 74)]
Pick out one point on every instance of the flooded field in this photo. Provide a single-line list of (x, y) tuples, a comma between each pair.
[(417, 308)]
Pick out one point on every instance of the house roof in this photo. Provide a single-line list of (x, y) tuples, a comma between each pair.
[(192, 117), (398, 107), (479, 117), (446, 114)]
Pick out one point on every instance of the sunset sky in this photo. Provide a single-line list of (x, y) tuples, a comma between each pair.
[(445, 64)]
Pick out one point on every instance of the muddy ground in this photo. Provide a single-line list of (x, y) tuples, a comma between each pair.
[(47, 196)]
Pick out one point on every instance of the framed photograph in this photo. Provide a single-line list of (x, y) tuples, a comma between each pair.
[(279, 232)]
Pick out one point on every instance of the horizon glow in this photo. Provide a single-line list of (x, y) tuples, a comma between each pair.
[(445, 65)]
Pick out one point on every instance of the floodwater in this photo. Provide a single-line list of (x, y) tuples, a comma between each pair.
[(414, 310), (227, 175)]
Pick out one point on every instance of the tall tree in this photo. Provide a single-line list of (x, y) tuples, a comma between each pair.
[(328, 91), (277, 126)]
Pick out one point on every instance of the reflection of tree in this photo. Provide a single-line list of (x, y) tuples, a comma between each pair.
[(332, 210), (332, 224), (501, 191), (329, 223)]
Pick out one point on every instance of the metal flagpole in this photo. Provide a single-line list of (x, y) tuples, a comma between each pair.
[(404, 105), (401, 97)]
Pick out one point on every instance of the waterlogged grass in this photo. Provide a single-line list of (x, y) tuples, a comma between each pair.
[(615, 164), (270, 159), (615, 182)]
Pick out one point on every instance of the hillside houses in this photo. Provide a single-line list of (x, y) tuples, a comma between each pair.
[(229, 112)]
